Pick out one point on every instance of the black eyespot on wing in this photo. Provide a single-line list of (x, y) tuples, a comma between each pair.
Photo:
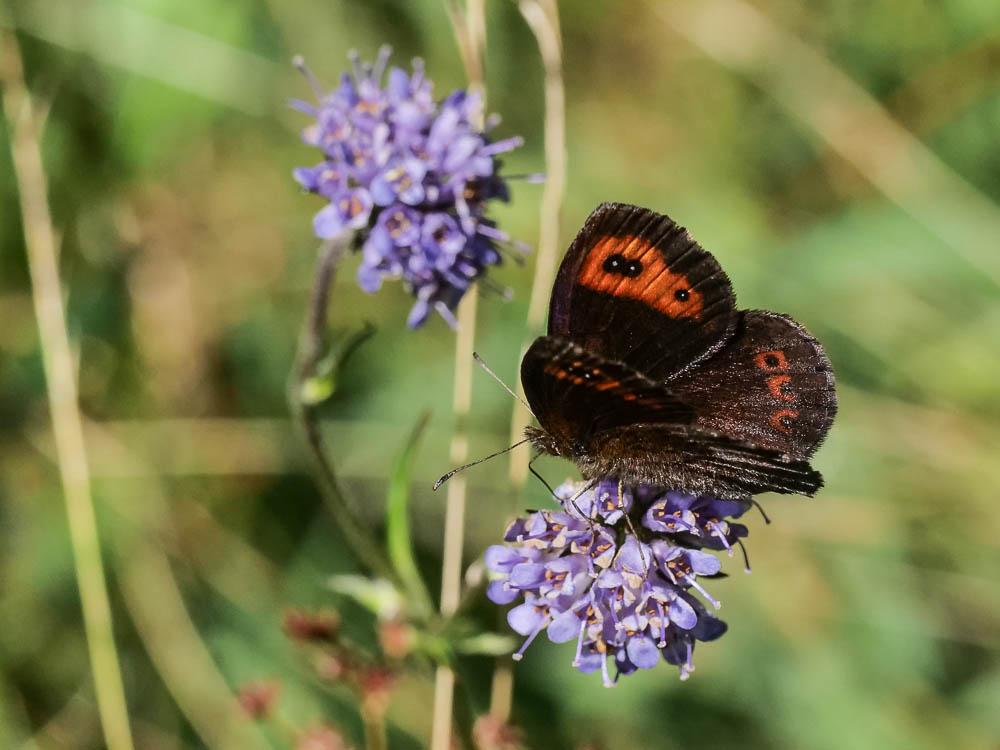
[(672, 308), (614, 263), (618, 264)]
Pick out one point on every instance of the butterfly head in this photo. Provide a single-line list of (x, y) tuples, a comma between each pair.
[(552, 443)]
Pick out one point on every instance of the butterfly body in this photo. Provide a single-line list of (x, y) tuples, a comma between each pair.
[(651, 375)]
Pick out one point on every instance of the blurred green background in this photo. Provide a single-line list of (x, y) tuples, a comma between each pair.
[(842, 161)]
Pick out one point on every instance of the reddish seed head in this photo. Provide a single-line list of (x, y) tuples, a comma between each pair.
[(321, 737), (258, 699), (311, 627), (330, 668), (492, 733), (376, 688), (396, 638)]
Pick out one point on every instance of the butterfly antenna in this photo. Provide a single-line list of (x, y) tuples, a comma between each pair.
[(482, 363), (455, 471)]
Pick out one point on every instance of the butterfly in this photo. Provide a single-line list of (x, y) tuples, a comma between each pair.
[(651, 375)]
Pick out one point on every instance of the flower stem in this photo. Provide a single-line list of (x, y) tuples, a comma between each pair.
[(311, 351), (375, 734), (451, 563), (469, 25), (542, 16), (24, 125), (454, 525)]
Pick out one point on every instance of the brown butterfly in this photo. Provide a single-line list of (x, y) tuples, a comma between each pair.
[(650, 374)]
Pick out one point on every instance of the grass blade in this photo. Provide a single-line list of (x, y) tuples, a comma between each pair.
[(399, 538)]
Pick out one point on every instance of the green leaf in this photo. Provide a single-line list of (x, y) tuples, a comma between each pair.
[(351, 343), (322, 384), (374, 594), (399, 538)]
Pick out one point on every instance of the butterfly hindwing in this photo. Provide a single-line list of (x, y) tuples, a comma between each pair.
[(575, 393), (635, 288), (771, 385)]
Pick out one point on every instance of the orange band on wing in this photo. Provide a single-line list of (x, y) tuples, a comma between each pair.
[(651, 282), (784, 419), (579, 374), (776, 385)]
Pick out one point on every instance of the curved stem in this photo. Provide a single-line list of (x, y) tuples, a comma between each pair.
[(23, 124), (311, 350)]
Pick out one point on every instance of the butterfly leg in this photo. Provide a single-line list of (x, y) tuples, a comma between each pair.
[(746, 557), (539, 477), (590, 519), (628, 519), (761, 509)]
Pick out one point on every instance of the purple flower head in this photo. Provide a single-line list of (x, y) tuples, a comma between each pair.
[(619, 571), (411, 177)]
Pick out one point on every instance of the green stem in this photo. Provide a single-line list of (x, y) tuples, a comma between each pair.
[(470, 32), (375, 734), (24, 128), (311, 350)]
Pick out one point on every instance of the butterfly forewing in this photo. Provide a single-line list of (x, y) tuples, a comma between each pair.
[(635, 288), (575, 393)]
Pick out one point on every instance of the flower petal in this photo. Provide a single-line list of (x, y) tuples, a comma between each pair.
[(369, 279), (642, 651), (418, 314), (634, 556), (682, 614), (525, 619), (500, 558), (703, 563), (564, 627), (499, 592), (328, 223), (527, 575)]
